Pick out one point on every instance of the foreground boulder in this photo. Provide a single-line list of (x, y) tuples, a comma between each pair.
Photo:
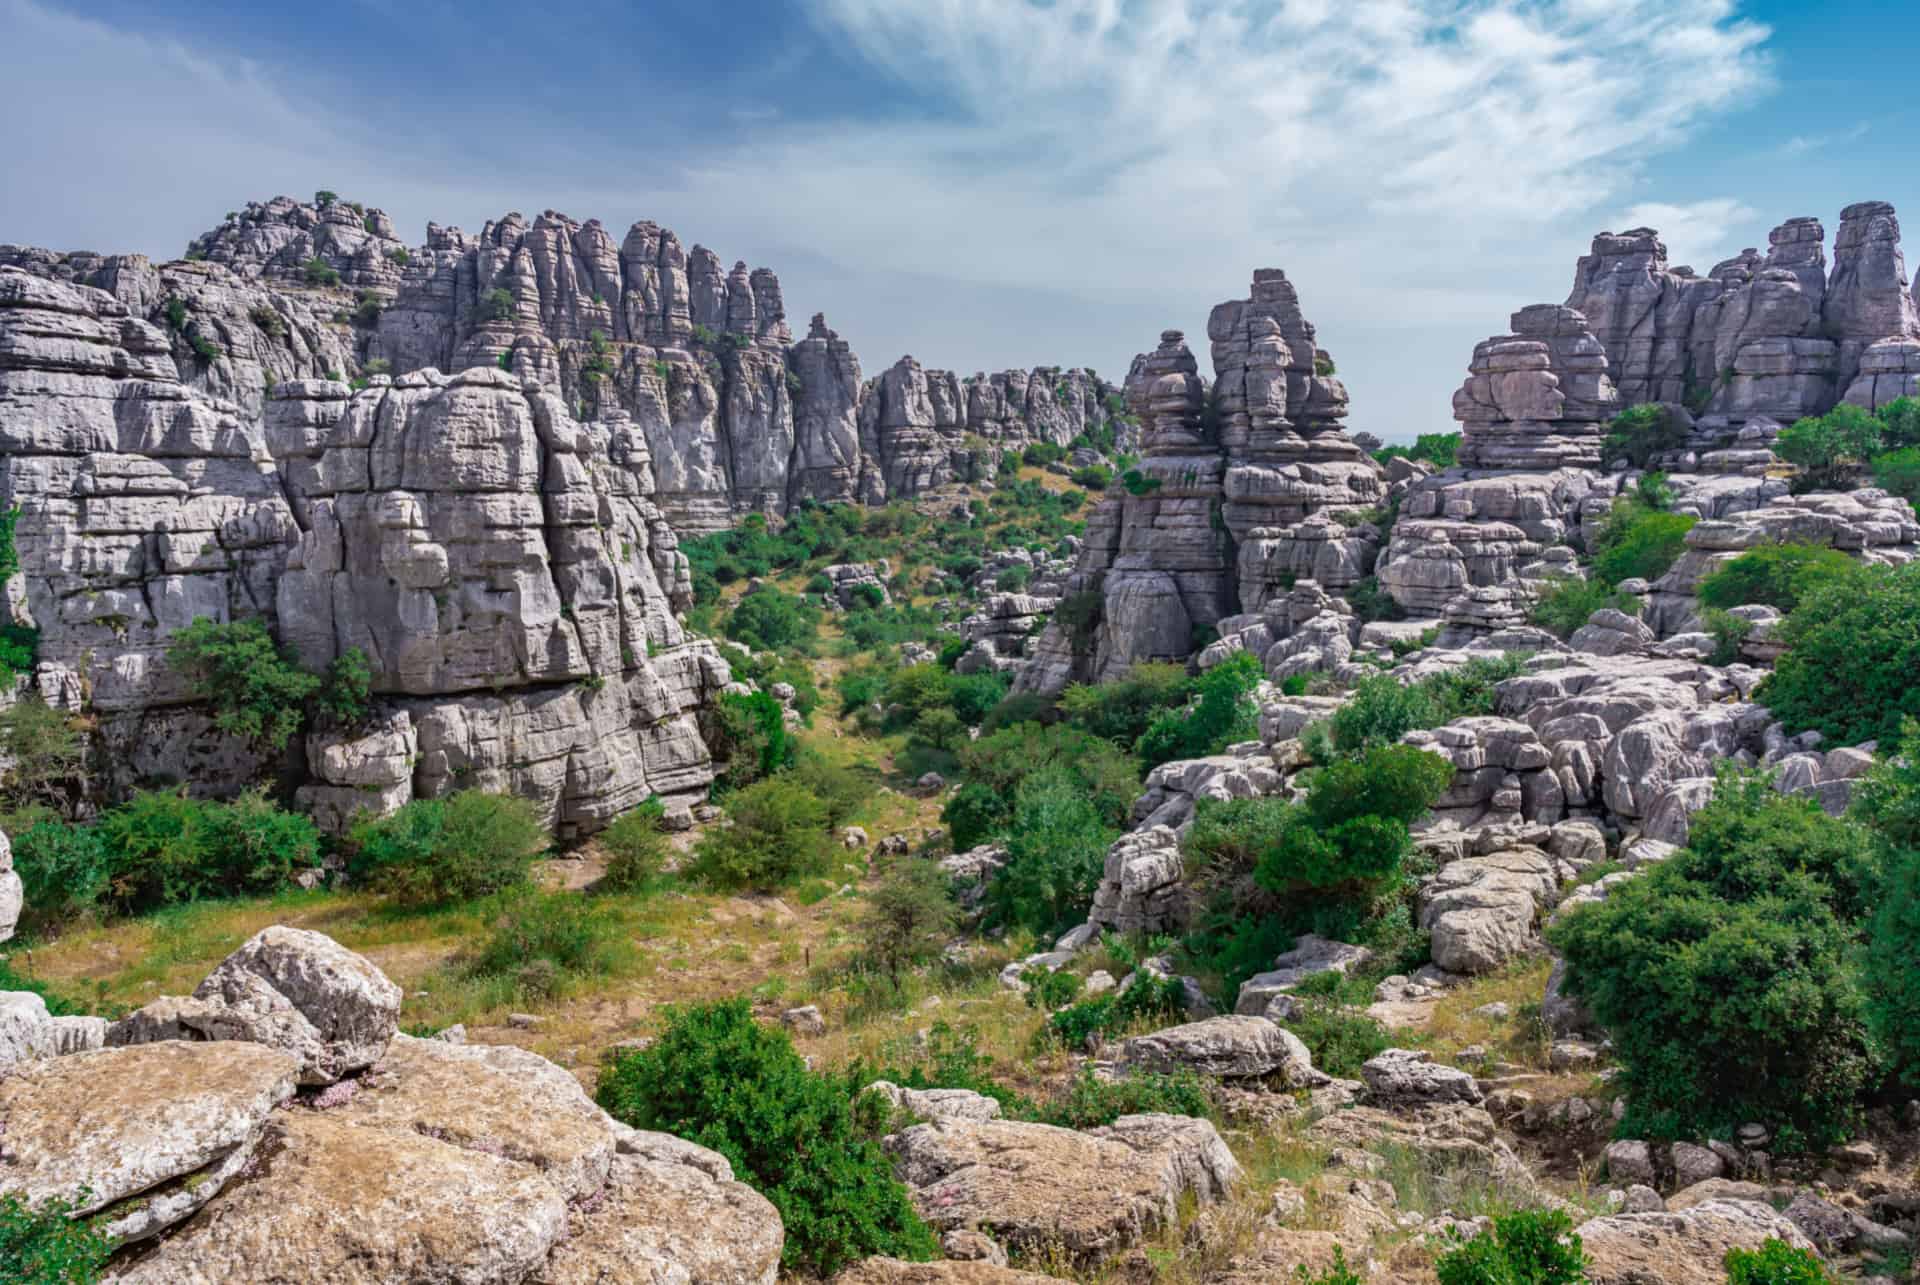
[(1233, 1047), (1685, 1248), (1034, 1186), (26, 1028), (1404, 1076), (335, 1201), (290, 989), (894, 1271), (668, 1218), (142, 1136)]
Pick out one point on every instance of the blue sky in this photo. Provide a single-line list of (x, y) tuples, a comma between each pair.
[(989, 183)]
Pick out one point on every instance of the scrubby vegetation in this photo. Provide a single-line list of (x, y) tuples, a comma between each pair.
[(435, 851), (1640, 434), (1853, 647), (718, 1078), (1774, 575), (257, 688), (1438, 449), (1527, 1247), (43, 1246)]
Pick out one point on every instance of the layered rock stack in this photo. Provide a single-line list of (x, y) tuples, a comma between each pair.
[(1538, 398), (501, 565), (277, 240), (1244, 485)]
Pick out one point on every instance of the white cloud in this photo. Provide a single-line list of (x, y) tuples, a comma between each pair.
[(1696, 233), (1085, 173)]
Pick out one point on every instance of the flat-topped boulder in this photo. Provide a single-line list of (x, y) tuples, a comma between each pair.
[(1230, 1047)]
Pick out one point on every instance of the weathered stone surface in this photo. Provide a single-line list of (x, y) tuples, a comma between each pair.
[(336, 1201), (1033, 1185), (1309, 957), (894, 1271), (12, 894), (149, 1134), (1232, 1047), (937, 1104), (347, 1009), (672, 1220), (1407, 1076), (26, 1029), (1684, 1248), (1481, 911)]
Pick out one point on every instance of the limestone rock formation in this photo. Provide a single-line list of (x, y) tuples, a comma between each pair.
[(1537, 398), (1239, 493)]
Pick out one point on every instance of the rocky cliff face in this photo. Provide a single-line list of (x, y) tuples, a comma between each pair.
[(502, 565), (1243, 480)]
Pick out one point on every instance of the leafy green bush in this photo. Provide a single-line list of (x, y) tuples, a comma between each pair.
[(769, 619), (548, 942), (1722, 973), (318, 272), (1899, 473), (974, 696), (719, 1079), (1853, 647), (1341, 1039), (1150, 997), (1350, 834), (1892, 968), (909, 918), (1041, 454), (752, 737), (1138, 483), (346, 689), (1338, 1274), (465, 845), (65, 872), (939, 729), (1090, 1102), (1382, 709), (1774, 575), (256, 687), (1223, 714), (44, 1246), (1526, 1247), (1569, 601), (777, 834), (166, 848), (1370, 602), (1441, 450), (636, 848), (842, 791), (1639, 433), (1900, 424), (1003, 760), (1120, 711), (1775, 1263), (1638, 542), (974, 814), (1056, 849), (1831, 446), (1094, 477), (45, 753), (497, 305)]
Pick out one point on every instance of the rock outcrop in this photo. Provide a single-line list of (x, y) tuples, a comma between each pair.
[(1240, 492)]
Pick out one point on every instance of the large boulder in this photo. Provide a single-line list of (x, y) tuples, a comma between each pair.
[(1232, 1047), (669, 1219), (13, 896), (141, 1137), (1309, 957), (1404, 1076), (1684, 1248), (1034, 1186), (294, 990), (337, 1201), (1481, 910), (26, 1029)]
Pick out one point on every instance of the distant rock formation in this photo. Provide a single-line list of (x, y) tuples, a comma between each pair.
[(1238, 494)]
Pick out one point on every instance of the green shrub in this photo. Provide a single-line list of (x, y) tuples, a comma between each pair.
[(842, 791), (1003, 760), (1094, 477), (769, 619), (1138, 483), (1151, 998), (45, 752), (1224, 713), (1350, 834), (1775, 1263), (975, 814), (777, 834), (319, 272), (1056, 850), (346, 689), (1381, 711), (65, 871), (1041, 454), (1526, 1247), (497, 305), (1569, 601), (717, 1078), (909, 917), (1090, 1102), (636, 848), (548, 942), (1341, 1039), (752, 738), (1900, 424), (257, 690), (1899, 473), (974, 696), (1892, 968), (164, 848), (45, 1246), (1441, 450), (1828, 448), (1120, 711), (1722, 973), (939, 729), (466, 845), (1338, 1274), (1013, 580), (1370, 602), (1639, 433), (1774, 575), (1853, 647), (1638, 542)]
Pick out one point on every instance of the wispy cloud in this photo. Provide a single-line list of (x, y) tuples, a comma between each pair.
[(1802, 144), (1695, 233), (1067, 177)]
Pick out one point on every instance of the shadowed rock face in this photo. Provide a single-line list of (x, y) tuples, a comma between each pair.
[(1241, 477)]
